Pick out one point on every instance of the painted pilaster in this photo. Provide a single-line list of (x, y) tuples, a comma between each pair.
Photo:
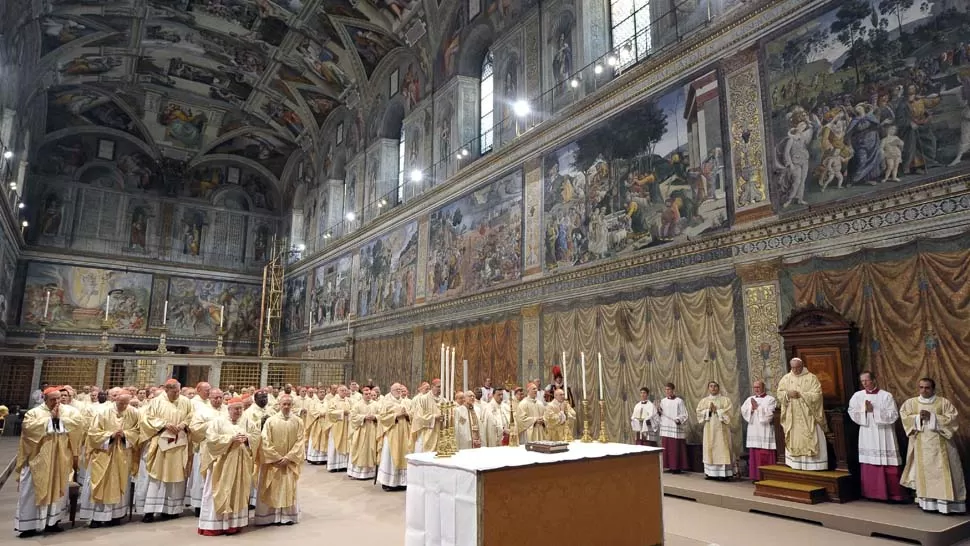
[(762, 316), (417, 355), (35, 377), (215, 373), (263, 373), (530, 366), (533, 218), (99, 374), (424, 241)]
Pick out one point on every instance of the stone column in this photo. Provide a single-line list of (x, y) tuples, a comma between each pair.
[(263, 373), (99, 374), (762, 316), (746, 127)]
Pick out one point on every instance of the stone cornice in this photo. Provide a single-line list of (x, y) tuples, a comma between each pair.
[(146, 265)]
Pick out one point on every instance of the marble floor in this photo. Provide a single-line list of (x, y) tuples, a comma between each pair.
[(335, 508)]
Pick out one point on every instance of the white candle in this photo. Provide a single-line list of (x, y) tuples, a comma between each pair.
[(464, 375), (441, 372), (348, 326), (222, 314), (47, 303), (107, 306), (165, 314), (582, 364), (451, 376), (565, 382), (599, 357)]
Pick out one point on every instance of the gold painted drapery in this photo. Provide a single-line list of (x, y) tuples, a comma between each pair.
[(912, 308), (686, 338), (384, 360), (491, 349)]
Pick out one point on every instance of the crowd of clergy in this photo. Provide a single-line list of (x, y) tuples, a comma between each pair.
[(235, 458), (931, 469)]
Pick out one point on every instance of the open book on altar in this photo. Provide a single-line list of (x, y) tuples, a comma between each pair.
[(169, 441)]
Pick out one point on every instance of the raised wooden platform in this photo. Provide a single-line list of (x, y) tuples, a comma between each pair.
[(795, 492), (866, 518), (839, 486)]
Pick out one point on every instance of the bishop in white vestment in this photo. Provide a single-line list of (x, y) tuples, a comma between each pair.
[(645, 420), (759, 412), (874, 410)]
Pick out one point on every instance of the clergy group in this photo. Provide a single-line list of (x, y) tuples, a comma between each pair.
[(235, 458)]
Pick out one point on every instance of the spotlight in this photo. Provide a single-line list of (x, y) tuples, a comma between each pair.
[(464, 152), (301, 247), (380, 204), (611, 60), (21, 206), (574, 83), (351, 216), (521, 108), (326, 235), (8, 154), (459, 156), (416, 175), (24, 223), (598, 69), (13, 185)]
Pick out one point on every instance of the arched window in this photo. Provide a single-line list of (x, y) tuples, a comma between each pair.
[(630, 36), (400, 167), (488, 104)]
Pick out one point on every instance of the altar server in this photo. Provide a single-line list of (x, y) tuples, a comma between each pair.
[(44, 462), (338, 446), (759, 411), (426, 419), (395, 427), (802, 419), (673, 430), (111, 442), (204, 413), (280, 459), (560, 418), (528, 417), (165, 421), (716, 412), (645, 420), (933, 466), (364, 436), (227, 468), (874, 410)]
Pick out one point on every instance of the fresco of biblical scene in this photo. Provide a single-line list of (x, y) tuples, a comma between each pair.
[(868, 97), (283, 116), (476, 242), (57, 31), (76, 106), (194, 308), (325, 62), (294, 305), (388, 272), (195, 75), (319, 105), (371, 45), (262, 147), (184, 126), (330, 295), (645, 177), (78, 296), (342, 8), (90, 66)]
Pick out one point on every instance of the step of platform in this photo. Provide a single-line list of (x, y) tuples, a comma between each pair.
[(839, 486), (790, 491)]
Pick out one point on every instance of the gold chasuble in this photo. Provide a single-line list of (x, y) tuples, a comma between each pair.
[(364, 434), (396, 430), (282, 437), (717, 430), (110, 456), (426, 422), (50, 457), (166, 465), (339, 414), (318, 426), (527, 415), (933, 466), (230, 462), (560, 421), (799, 416)]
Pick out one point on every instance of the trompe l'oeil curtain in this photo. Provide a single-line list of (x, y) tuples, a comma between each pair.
[(913, 316), (492, 350), (385, 360), (686, 338)]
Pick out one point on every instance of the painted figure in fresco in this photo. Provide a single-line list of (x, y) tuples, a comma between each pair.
[(865, 134), (138, 232), (261, 243), (50, 223), (795, 154), (192, 234), (892, 154), (750, 188), (182, 125), (962, 91), (914, 120), (398, 7), (411, 87), (562, 60), (90, 64)]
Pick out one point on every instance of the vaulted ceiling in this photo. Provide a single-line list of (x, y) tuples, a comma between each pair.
[(248, 78)]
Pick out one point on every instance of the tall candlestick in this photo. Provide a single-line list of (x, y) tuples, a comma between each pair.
[(165, 314), (582, 363), (47, 303), (222, 315), (599, 357), (107, 306), (464, 375), (565, 381)]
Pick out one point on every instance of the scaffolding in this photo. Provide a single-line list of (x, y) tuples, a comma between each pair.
[(271, 316)]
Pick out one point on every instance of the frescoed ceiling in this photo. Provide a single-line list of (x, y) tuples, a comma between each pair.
[(253, 78)]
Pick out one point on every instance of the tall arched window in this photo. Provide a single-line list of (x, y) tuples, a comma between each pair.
[(630, 34), (400, 167), (488, 103)]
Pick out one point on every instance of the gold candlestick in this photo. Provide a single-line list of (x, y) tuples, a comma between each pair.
[(513, 432), (572, 429), (105, 346), (162, 340), (42, 340), (447, 444), (603, 439), (220, 349), (587, 437)]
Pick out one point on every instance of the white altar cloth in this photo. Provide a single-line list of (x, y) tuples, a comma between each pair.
[(442, 497)]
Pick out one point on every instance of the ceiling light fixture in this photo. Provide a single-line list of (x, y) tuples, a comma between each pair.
[(416, 175), (574, 83), (521, 108), (611, 60), (21, 206), (464, 152), (598, 69), (351, 216)]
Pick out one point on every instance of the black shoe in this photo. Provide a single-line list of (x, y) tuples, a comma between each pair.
[(167, 517), (149, 518), (96, 525), (289, 522), (53, 529), (113, 523), (28, 534), (252, 506), (198, 512)]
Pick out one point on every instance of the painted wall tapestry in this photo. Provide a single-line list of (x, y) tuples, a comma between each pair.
[(388, 271), (867, 97), (194, 308), (476, 241), (78, 296), (648, 176)]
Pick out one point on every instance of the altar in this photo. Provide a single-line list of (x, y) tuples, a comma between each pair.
[(592, 494)]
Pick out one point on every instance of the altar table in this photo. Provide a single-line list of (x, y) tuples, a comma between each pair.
[(594, 494)]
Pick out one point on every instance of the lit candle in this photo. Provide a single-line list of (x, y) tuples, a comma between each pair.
[(165, 314), (451, 391), (222, 314), (441, 373), (47, 303), (565, 382), (309, 321), (599, 357), (464, 375), (582, 364), (107, 306)]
